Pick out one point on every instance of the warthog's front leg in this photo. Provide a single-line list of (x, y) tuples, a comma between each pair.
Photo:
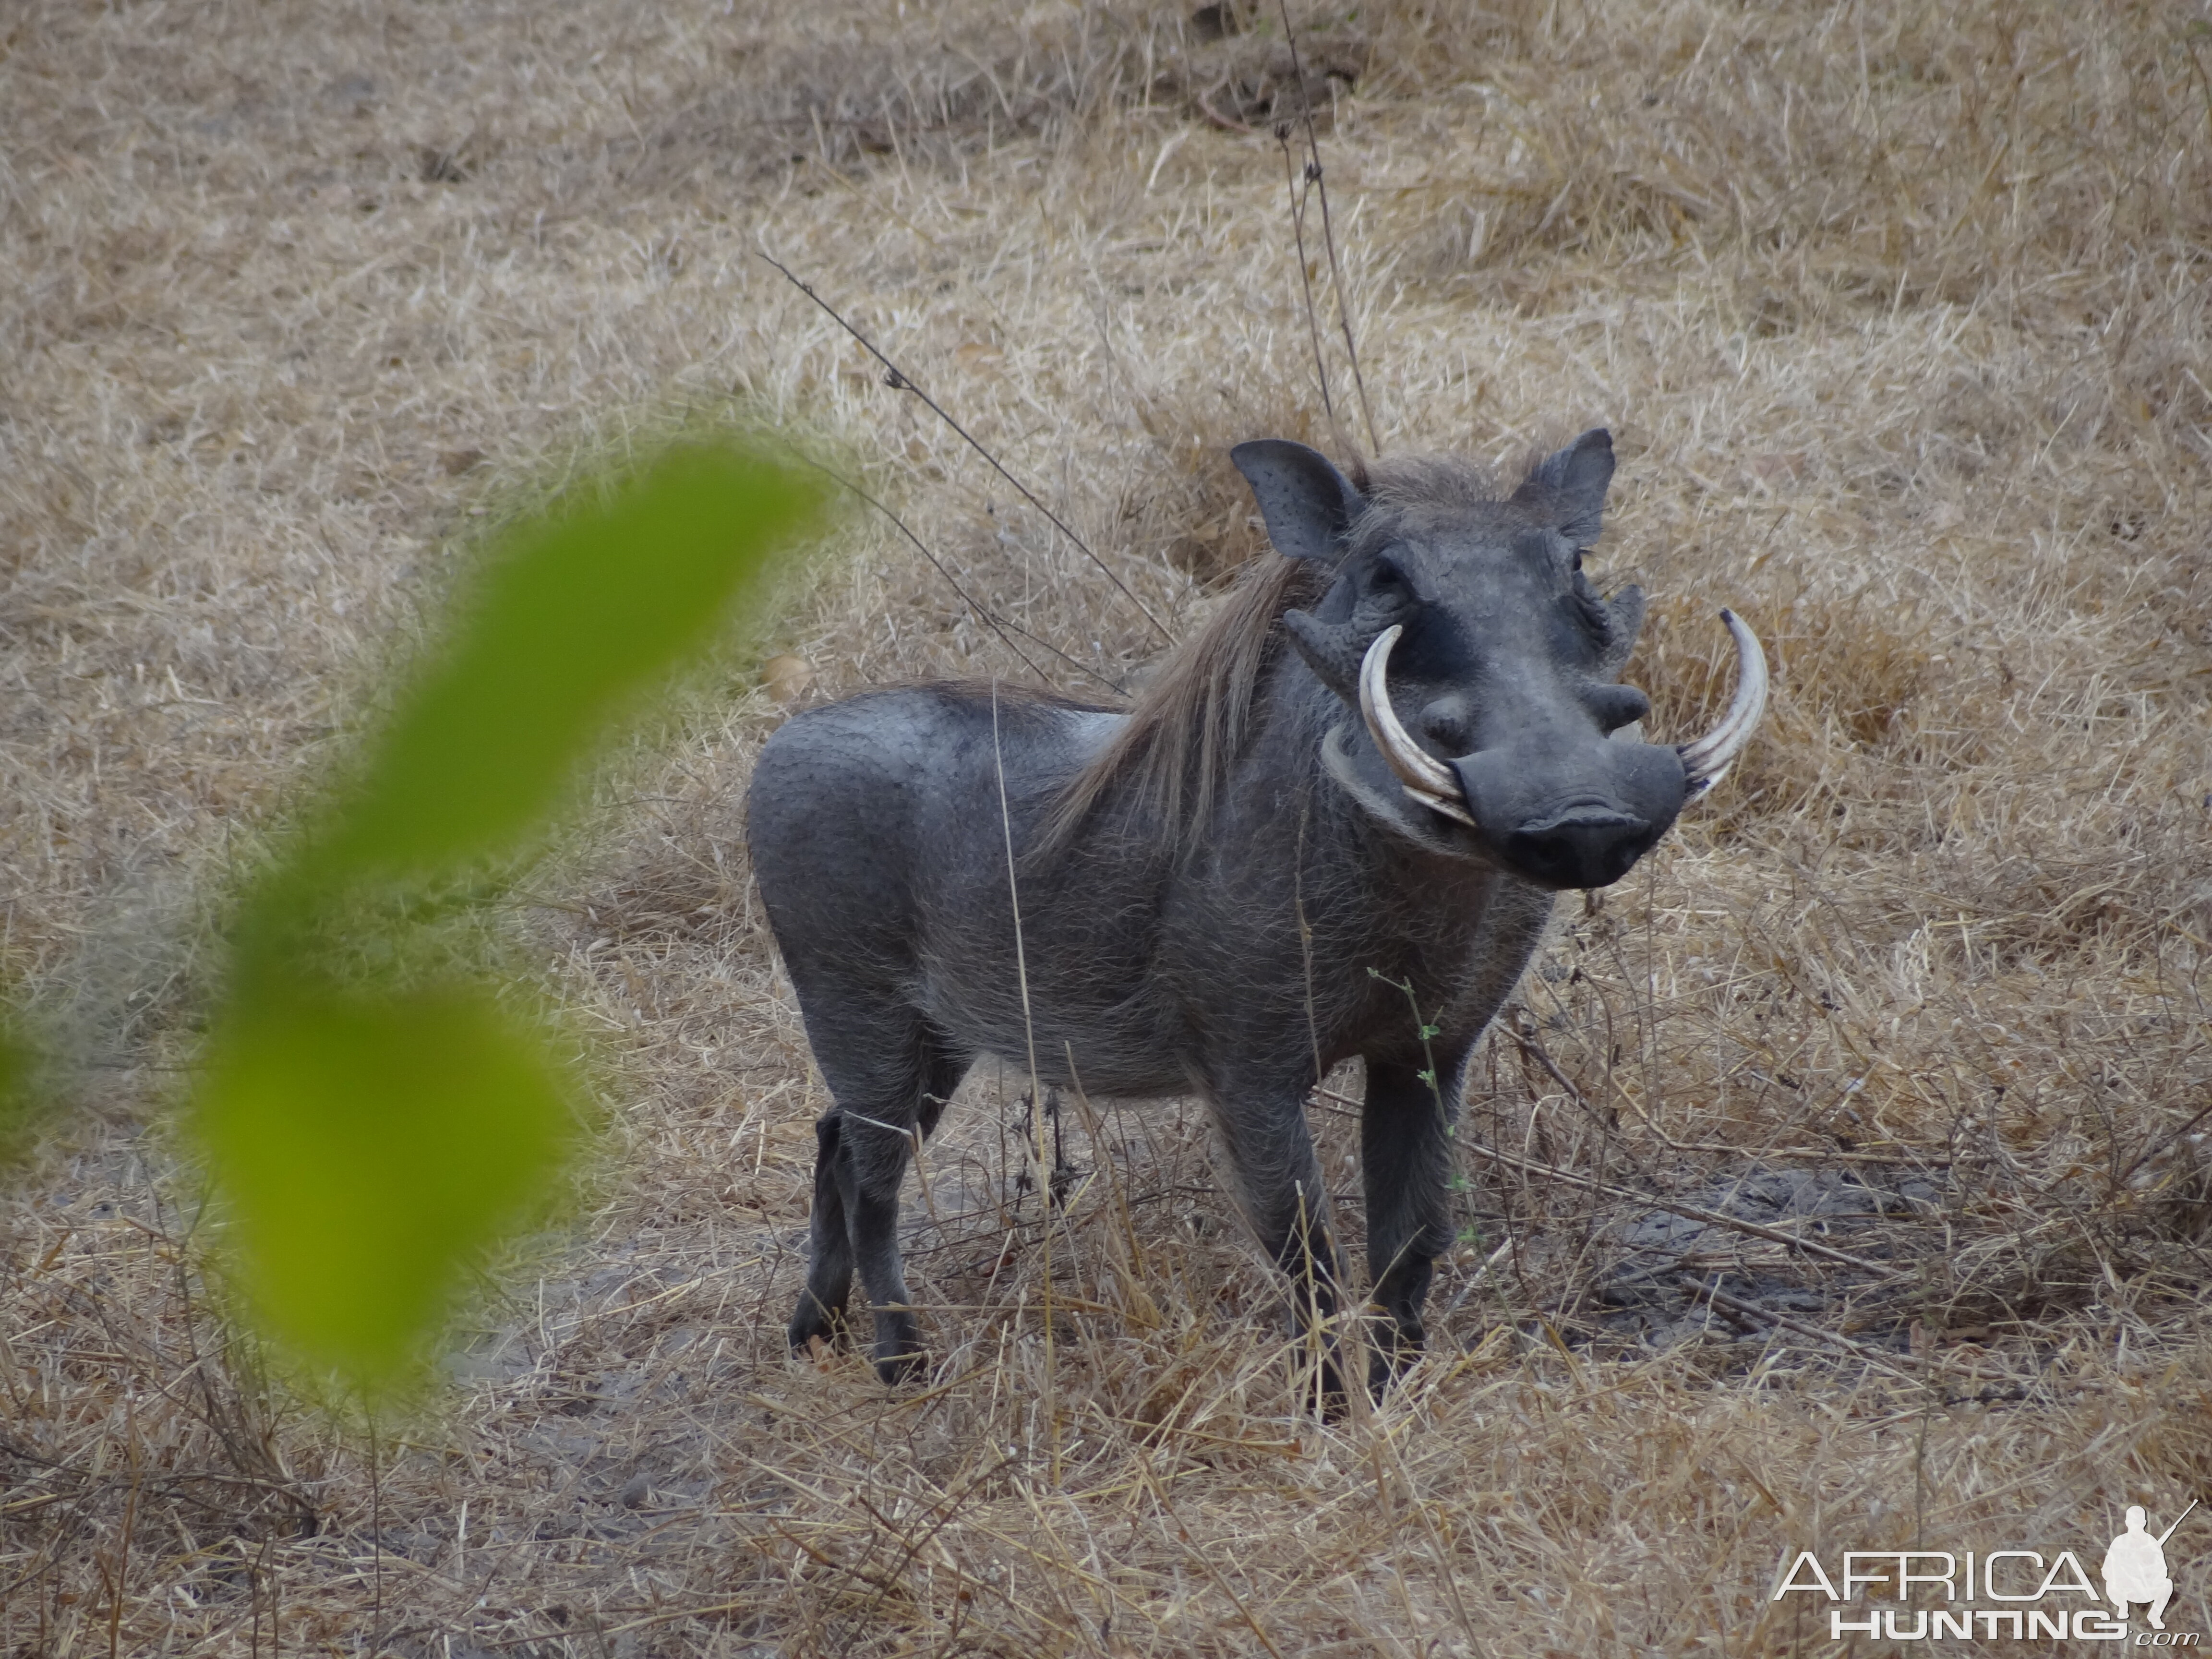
[(1405, 1149), (1277, 1184)]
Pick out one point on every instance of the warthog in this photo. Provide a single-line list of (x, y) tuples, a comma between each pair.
[(1260, 870)]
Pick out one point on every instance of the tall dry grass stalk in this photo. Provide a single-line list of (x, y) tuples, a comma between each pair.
[(1842, 1178)]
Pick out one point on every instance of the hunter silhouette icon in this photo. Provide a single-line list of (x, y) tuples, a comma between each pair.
[(2135, 1566)]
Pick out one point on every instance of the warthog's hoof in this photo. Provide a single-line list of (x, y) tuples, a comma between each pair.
[(1386, 1367), (904, 1368), (814, 1327), (1319, 1383), (1394, 1345)]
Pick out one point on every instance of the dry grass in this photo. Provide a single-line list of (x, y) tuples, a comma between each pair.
[(1899, 315)]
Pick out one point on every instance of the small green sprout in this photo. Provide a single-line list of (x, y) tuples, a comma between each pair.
[(1428, 1049)]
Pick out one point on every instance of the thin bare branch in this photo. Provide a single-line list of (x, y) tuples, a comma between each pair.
[(1313, 175), (984, 614), (899, 380)]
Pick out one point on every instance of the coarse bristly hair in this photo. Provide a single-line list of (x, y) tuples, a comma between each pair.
[(1171, 756)]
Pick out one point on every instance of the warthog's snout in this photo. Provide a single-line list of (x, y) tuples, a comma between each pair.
[(1584, 849), (1591, 850), (1562, 804), (1576, 816)]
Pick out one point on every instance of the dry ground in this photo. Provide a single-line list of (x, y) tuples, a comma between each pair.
[(1899, 315)]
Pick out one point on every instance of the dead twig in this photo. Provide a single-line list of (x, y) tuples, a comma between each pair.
[(1535, 1050), (1705, 1292), (1675, 1206), (1313, 173), (990, 619)]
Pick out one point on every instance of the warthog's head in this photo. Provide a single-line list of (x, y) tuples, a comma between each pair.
[(1484, 665)]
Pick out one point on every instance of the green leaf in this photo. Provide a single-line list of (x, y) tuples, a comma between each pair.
[(23, 1106), (369, 1147), (372, 1141), (577, 616)]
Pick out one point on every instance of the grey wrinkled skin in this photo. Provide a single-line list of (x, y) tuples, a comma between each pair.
[(1172, 959)]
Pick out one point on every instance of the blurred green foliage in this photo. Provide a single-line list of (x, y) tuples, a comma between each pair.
[(23, 1106), (372, 1136), (581, 613), (370, 1147)]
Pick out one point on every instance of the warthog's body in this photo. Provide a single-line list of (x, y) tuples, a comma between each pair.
[(1227, 892)]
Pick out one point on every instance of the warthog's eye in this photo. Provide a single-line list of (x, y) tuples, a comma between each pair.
[(1387, 592), (1597, 615), (1578, 562), (1388, 578)]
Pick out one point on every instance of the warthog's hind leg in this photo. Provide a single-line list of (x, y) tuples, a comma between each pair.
[(889, 1079), (875, 1164), (821, 1310), (1404, 1150)]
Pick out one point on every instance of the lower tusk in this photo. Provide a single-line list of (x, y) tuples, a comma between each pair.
[(1706, 761), (1425, 776), (1702, 786), (1450, 808)]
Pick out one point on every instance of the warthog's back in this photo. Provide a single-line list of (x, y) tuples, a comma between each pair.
[(844, 801), (888, 804), (879, 838)]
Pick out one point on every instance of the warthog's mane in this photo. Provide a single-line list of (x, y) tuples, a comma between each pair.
[(1169, 760)]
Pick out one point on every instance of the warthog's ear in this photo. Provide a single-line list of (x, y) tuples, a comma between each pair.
[(1307, 503), (1568, 489)]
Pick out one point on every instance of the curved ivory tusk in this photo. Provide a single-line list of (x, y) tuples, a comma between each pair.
[(1708, 759), (1426, 778)]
